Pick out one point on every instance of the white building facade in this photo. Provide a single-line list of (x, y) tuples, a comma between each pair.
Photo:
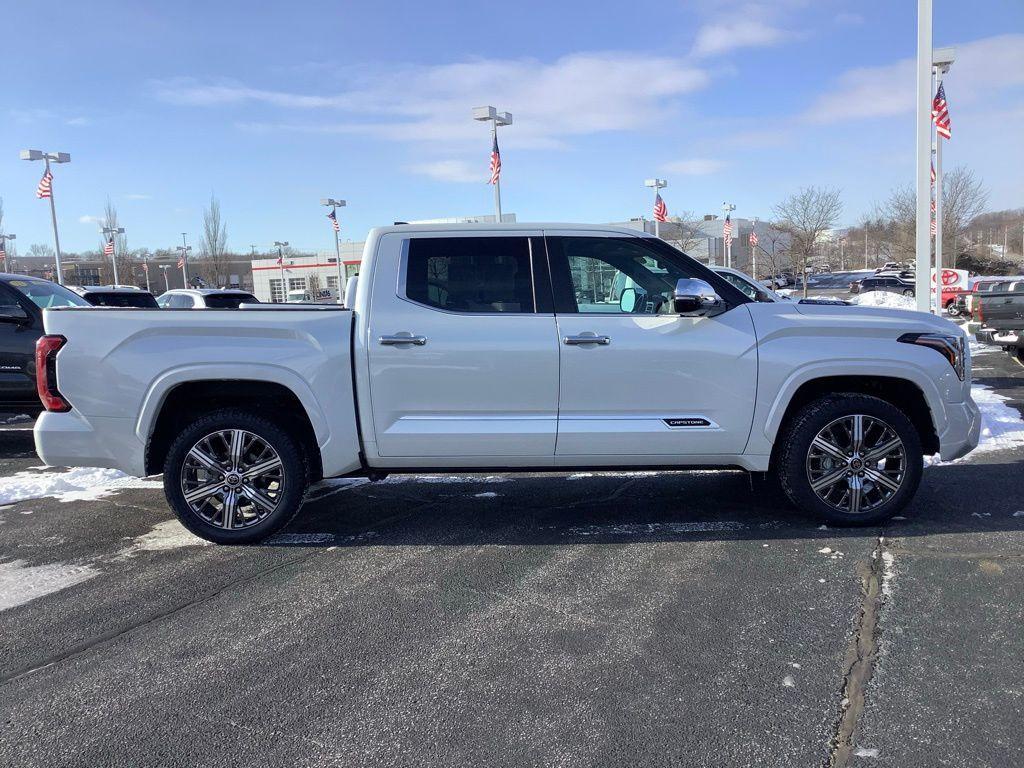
[(271, 281)]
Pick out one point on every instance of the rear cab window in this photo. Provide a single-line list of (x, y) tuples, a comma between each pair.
[(471, 274)]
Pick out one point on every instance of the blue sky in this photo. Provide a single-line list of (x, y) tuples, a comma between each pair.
[(273, 106)]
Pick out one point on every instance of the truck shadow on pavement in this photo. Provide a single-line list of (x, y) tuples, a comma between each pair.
[(607, 508)]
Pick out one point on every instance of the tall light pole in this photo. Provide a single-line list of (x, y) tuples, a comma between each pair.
[(112, 233), (334, 205), (495, 118), (164, 268), (923, 136), (727, 209), (253, 249), (184, 248), (47, 157), (942, 60), (657, 185), (281, 245), (3, 250)]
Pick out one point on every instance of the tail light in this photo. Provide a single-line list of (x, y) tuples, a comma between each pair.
[(46, 373), (978, 312)]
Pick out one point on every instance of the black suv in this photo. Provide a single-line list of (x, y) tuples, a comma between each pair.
[(889, 284), (22, 300)]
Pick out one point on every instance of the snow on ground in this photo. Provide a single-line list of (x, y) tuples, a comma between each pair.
[(20, 582), (1001, 424), (884, 299), (650, 529), (78, 484), (17, 419), (170, 534)]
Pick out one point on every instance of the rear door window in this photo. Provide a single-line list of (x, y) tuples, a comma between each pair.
[(471, 274)]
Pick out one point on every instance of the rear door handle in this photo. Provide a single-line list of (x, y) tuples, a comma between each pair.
[(403, 338), (586, 338)]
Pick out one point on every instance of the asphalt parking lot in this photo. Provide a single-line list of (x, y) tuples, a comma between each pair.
[(590, 619)]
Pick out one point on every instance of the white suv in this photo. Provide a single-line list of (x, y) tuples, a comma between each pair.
[(205, 298)]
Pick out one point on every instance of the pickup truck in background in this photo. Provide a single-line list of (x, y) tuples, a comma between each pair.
[(508, 348), (1000, 311)]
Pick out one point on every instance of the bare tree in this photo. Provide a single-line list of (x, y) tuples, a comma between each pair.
[(775, 247), (214, 243), (964, 197), (806, 217), (684, 231)]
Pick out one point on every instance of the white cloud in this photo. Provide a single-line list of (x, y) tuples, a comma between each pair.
[(697, 166), (79, 121), (981, 66), (737, 32), (87, 219), (577, 94), (451, 170), (138, 196)]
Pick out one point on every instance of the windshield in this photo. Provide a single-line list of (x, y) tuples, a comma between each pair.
[(229, 300), (45, 294)]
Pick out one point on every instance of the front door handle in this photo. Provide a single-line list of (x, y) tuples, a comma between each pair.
[(586, 338), (403, 338)]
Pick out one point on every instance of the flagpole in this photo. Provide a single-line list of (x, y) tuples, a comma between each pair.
[(184, 259), (657, 224), (497, 181), (145, 268), (53, 217), (922, 233), (938, 225)]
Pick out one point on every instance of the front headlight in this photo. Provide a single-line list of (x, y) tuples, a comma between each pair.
[(950, 347)]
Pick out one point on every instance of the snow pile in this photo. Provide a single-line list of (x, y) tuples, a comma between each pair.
[(885, 299), (1001, 424), (78, 484)]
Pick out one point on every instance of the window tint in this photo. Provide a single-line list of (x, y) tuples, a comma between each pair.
[(9, 303), (179, 301), (229, 300), (618, 275), (740, 284), (121, 299), (470, 274)]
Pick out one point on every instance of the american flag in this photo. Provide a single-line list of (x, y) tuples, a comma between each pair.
[(108, 247), (334, 221), (181, 262), (727, 230), (45, 183), (934, 229), (495, 162), (940, 113), (145, 266), (3, 253), (933, 225), (660, 209), (753, 238)]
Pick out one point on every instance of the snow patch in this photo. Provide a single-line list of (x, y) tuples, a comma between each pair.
[(485, 495), (788, 682), (20, 582), (885, 299), (78, 484), (865, 752), (888, 572), (163, 537), (445, 479)]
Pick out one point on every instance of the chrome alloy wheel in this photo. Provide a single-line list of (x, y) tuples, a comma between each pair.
[(856, 463), (232, 479)]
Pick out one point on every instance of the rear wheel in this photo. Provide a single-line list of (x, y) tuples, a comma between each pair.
[(233, 477), (952, 309), (908, 292), (850, 458)]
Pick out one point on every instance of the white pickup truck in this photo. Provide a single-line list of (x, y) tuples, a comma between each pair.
[(508, 348)]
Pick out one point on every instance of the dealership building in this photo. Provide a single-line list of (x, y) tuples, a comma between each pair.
[(307, 272)]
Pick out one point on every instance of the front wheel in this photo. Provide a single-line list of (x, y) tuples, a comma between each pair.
[(852, 459), (952, 309), (233, 477), (908, 292)]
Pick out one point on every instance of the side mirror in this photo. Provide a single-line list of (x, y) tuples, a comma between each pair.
[(627, 301), (12, 313), (694, 298)]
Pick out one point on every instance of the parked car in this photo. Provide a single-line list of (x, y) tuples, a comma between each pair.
[(891, 266), (889, 284), (980, 286), (466, 350), (757, 292), (204, 298), (21, 324), (111, 296)]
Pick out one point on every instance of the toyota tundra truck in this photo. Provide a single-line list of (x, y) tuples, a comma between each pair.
[(511, 348)]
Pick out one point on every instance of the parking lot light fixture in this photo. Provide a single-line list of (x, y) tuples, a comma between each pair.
[(112, 233), (164, 268), (281, 245), (47, 158), (334, 205), (491, 115)]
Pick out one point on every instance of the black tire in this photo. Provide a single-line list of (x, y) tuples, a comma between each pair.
[(293, 471), (952, 309), (908, 292), (795, 444)]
